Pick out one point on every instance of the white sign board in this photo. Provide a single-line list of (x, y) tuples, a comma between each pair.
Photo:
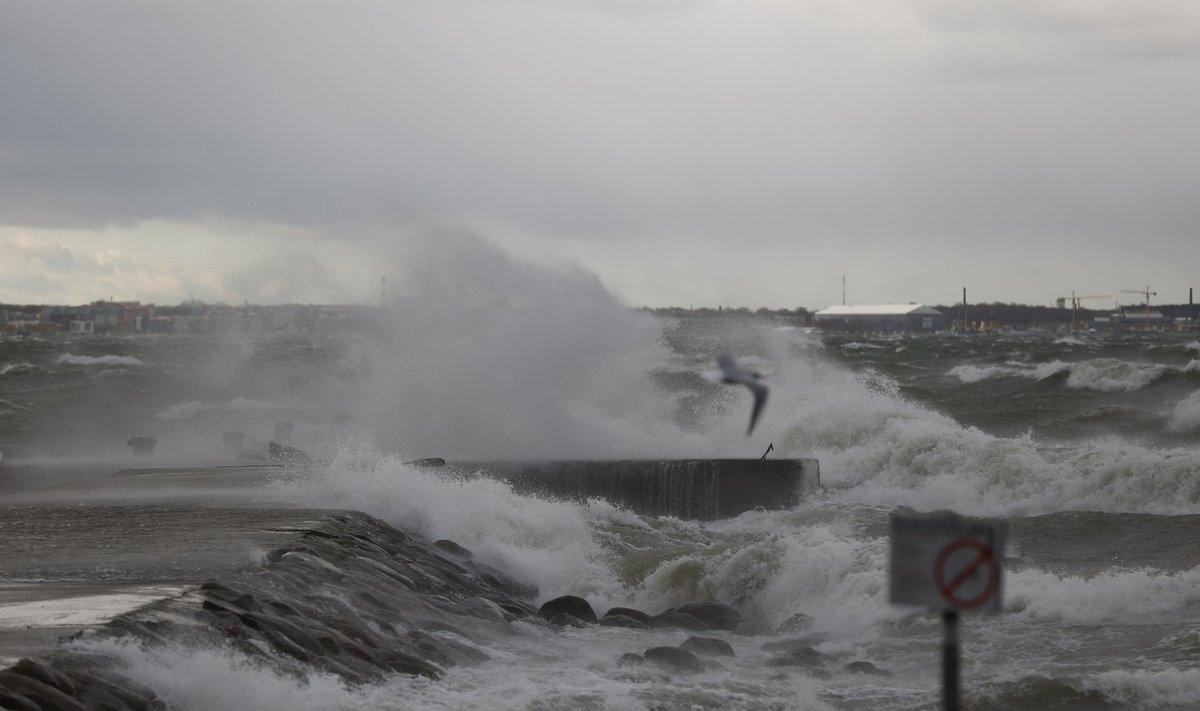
[(947, 562)]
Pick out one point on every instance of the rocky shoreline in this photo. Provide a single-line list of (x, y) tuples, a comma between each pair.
[(351, 596), (357, 598)]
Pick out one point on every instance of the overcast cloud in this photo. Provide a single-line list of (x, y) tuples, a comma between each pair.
[(1023, 148)]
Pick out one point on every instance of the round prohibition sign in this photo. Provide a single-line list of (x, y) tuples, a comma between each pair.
[(984, 556)]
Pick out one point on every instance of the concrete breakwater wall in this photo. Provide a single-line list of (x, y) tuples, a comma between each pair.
[(704, 489)]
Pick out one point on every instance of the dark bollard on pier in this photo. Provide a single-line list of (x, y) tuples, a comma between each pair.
[(142, 445), (703, 489)]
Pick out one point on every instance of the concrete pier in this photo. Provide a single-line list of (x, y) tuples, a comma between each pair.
[(702, 489)]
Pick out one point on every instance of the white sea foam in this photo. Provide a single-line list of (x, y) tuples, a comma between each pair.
[(1113, 375), (1109, 597), (1193, 346), (879, 448), (188, 410), (17, 368), (1186, 416), (550, 544), (485, 355), (1098, 374), (538, 668), (1148, 688), (1070, 341), (68, 359)]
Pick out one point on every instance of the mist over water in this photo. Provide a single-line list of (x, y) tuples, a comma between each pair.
[(1087, 441)]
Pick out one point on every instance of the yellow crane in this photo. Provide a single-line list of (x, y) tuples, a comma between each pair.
[(1075, 299), (1146, 293)]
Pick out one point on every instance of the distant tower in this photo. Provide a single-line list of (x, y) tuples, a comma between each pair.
[(964, 320), (843, 290)]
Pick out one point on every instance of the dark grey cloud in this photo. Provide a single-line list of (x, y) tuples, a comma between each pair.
[(934, 121)]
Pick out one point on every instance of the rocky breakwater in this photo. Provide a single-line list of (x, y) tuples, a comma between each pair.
[(351, 596)]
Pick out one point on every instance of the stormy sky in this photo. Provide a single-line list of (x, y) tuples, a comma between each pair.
[(687, 151)]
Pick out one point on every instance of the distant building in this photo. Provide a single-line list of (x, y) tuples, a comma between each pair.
[(885, 318), (83, 327)]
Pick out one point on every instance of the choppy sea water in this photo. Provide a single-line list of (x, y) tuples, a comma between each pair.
[(1085, 444)]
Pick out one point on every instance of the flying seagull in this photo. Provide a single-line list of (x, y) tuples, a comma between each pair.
[(732, 373)]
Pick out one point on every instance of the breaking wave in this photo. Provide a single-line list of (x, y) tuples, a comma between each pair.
[(1186, 416), (1113, 596), (18, 369), (1097, 374), (68, 359), (188, 410)]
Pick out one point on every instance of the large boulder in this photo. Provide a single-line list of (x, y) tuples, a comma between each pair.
[(621, 621), (562, 619), (629, 612), (674, 618), (798, 622), (571, 605), (715, 615), (450, 547), (675, 658), (708, 646)]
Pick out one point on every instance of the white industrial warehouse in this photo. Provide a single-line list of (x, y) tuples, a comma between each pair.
[(883, 318)]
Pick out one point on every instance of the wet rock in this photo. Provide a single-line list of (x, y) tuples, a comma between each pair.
[(44, 695), (752, 628), (866, 668), (568, 604), (453, 549), (673, 618), (803, 657), (796, 623), (715, 615), (16, 702), (99, 693), (458, 652), (708, 646), (501, 581), (622, 621), (675, 658), (515, 611), (629, 612), (629, 659), (45, 674), (562, 619)]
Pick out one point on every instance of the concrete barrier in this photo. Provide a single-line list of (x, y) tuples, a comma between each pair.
[(704, 489)]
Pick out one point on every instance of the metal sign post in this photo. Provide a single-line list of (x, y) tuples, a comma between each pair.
[(949, 563)]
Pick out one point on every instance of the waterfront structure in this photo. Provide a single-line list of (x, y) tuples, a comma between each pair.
[(884, 318)]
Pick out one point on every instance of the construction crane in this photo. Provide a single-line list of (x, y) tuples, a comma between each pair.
[(1146, 293), (1075, 299)]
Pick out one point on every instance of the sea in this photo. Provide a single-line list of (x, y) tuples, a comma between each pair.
[(1085, 444)]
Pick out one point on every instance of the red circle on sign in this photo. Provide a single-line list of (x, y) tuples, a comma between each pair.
[(947, 589)]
